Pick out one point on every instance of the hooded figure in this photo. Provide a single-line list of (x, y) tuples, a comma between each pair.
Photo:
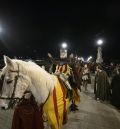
[(115, 85), (101, 87)]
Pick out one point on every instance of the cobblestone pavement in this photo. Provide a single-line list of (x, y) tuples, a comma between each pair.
[(91, 115)]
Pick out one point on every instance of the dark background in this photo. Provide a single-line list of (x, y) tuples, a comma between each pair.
[(32, 29)]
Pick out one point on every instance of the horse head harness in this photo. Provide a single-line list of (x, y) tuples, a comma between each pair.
[(14, 100)]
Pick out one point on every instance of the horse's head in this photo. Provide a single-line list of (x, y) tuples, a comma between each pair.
[(15, 83)]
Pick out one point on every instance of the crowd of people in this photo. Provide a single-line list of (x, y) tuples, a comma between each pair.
[(77, 76), (107, 80), (107, 84)]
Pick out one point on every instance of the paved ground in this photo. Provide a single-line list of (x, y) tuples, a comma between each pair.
[(91, 115), (5, 119)]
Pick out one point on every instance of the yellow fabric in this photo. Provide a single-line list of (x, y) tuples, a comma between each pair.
[(49, 107), (67, 72), (76, 97), (57, 68)]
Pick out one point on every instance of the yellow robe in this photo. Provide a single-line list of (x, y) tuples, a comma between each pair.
[(67, 70), (56, 106)]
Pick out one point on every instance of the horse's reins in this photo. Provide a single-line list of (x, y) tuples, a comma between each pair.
[(13, 99)]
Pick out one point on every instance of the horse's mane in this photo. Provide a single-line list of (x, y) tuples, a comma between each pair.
[(41, 79)]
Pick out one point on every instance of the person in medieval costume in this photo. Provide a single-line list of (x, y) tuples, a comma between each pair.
[(115, 85), (85, 76), (63, 70), (73, 94), (77, 71), (102, 86), (27, 114)]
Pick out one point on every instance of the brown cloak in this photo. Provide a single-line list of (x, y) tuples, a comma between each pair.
[(27, 116), (102, 87)]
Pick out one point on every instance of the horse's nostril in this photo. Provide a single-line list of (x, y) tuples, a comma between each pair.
[(3, 108)]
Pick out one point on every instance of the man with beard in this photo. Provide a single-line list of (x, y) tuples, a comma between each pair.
[(101, 87)]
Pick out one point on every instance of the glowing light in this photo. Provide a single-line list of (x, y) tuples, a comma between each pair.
[(89, 58), (64, 45), (100, 42), (81, 58)]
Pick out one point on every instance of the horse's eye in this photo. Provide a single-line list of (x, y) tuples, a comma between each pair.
[(9, 81)]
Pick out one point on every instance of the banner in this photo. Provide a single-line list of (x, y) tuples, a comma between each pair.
[(63, 53)]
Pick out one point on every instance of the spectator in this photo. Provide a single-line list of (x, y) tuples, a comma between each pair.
[(101, 87), (116, 89), (85, 76)]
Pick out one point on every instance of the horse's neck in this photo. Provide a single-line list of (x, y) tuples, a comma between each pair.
[(41, 85)]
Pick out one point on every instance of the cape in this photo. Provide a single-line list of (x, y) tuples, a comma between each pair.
[(102, 87)]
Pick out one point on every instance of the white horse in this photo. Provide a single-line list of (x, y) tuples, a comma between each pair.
[(21, 76)]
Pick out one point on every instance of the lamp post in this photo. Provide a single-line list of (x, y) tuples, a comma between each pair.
[(99, 53), (63, 50)]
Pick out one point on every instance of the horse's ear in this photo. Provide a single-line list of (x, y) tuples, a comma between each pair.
[(8, 61)]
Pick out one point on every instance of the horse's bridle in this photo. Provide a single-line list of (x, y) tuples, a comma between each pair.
[(14, 100)]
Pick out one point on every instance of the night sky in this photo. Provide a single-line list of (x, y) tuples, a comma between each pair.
[(35, 28)]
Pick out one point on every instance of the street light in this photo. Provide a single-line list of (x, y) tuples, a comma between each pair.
[(64, 45), (100, 42), (81, 58), (89, 58), (99, 53)]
